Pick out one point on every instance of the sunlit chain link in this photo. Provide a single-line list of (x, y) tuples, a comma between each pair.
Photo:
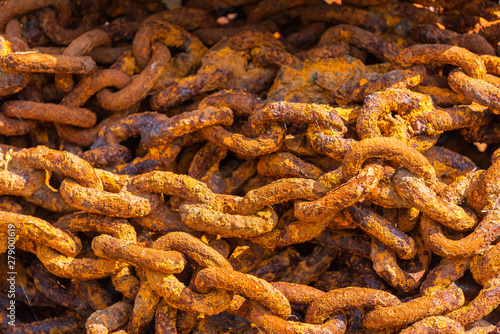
[(249, 166)]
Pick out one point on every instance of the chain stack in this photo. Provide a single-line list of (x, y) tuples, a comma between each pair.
[(249, 166)]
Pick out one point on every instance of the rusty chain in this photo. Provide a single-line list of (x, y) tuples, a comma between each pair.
[(249, 166)]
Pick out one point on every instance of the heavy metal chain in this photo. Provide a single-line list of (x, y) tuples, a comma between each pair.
[(249, 166)]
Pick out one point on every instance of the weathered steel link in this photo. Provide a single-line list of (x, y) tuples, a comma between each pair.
[(386, 265), (170, 35), (125, 251), (482, 236), (415, 109), (347, 298), (341, 197), (362, 39), (193, 247), (61, 162), (287, 166), (48, 112), (174, 184), (480, 91), (246, 285), (175, 292), (34, 62), (141, 85), (427, 202), (79, 47), (41, 231), (11, 10), (395, 151), (454, 55), (123, 204), (48, 285), (70, 267), (10, 82), (201, 218), (381, 229), (109, 319), (416, 309)]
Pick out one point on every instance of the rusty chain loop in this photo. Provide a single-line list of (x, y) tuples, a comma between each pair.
[(288, 166)]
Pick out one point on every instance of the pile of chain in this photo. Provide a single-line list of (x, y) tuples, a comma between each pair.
[(247, 166)]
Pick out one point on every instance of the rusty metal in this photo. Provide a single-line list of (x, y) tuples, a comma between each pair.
[(285, 166)]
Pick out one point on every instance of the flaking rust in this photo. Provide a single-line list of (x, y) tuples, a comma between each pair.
[(287, 166)]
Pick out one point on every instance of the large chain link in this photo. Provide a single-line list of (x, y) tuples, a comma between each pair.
[(249, 166)]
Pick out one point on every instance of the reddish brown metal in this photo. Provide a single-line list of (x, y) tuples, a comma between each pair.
[(293, 146), (414, 310), (454, 55), (49, 112), (10, 9)]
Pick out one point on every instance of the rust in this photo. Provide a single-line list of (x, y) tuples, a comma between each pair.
[(145, 306), (142, 84), (109, 319), (244, 284), (386, 266), (79, 47), (382, 230), (10, 10), (454, 55), (250, 166), (126, 251), (343, 14), (436, 324), (425, 201), (427, 33), (361, 38), (48, 284), (198, 217), (34, 62), (403, 313), (477, 90), (49, 112), (37, 229)]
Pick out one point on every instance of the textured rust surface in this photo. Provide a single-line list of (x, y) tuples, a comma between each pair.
[(249, 166)]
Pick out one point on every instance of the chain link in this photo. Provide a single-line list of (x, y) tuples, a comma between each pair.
[(249, 166)]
